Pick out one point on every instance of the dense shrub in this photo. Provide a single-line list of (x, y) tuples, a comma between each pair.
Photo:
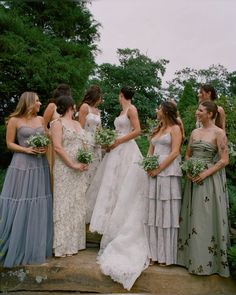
[(5, 154)]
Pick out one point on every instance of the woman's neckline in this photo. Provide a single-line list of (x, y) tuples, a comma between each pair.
[(71, 128), (41, 126), (205, 141), (164, 134), (93, 114)]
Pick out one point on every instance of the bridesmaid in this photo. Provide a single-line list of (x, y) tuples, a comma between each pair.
[(204, 232), (25, 201), (164, 198), (207, 92), (69, 182), (90, 119), (51, 114)]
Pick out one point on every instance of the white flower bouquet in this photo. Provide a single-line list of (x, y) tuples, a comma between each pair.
[(105, 137), (149, 162), (193, 166), (84, 156), (38, 140)]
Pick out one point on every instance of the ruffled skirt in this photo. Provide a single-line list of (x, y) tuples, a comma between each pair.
[(164, 202), (26, 212)]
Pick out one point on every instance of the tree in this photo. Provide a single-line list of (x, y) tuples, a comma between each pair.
[(35, 58), (232, 83), (188, 98), (216, 75), (136, 70), (69, 20)]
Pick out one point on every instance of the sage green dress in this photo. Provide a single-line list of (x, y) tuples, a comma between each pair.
[(204, 232)]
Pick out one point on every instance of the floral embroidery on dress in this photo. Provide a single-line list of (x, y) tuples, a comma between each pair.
[(69, 198)]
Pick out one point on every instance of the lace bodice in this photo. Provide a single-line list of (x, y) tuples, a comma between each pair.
[(122, 125), (92, 121), (72, 141)]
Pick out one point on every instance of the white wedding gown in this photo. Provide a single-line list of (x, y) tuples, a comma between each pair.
[(120, 188)]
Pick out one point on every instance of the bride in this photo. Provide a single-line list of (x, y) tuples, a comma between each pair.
[(119, 188)]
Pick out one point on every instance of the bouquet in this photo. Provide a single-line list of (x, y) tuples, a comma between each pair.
[(149, 162), (105, 137), (193, 166), (38, 140), (84, 156)]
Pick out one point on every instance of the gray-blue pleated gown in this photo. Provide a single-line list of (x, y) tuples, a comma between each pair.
[(26, 208)]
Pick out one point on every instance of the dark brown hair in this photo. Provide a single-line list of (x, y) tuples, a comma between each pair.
[(61, 89), (211, 107), (92, 95), (128, 92), (64, 102), (209, 88)]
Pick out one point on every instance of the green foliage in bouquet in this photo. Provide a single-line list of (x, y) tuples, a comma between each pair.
[(149, 162), (84, 156), (105, 136), (193, 166), (38, 140)]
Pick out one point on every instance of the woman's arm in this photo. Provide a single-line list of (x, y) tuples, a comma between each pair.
[(56, 131), (11, 136), (133, 116), (221, 117), (176, 141), (48, 113), (83, 112), (222, 145), (150, 149), (188, 152)]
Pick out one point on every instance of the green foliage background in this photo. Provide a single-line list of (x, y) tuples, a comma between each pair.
[(134, 69), (44, 43)]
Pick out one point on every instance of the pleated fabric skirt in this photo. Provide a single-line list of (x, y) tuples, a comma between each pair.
[(26, 212), (164, 202)]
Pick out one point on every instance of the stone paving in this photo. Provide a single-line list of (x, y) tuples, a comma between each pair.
[(81, 274)]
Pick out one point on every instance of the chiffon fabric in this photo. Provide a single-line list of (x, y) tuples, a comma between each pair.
[(69, 207), (120, 186), (204, 233), (164, 202), (26, 207)]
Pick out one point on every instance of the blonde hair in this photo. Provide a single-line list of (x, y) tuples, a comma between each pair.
[(25, 105)]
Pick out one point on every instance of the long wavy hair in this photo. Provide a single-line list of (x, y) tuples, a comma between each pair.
[(169, 110), (25, 105), (91, 96)]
